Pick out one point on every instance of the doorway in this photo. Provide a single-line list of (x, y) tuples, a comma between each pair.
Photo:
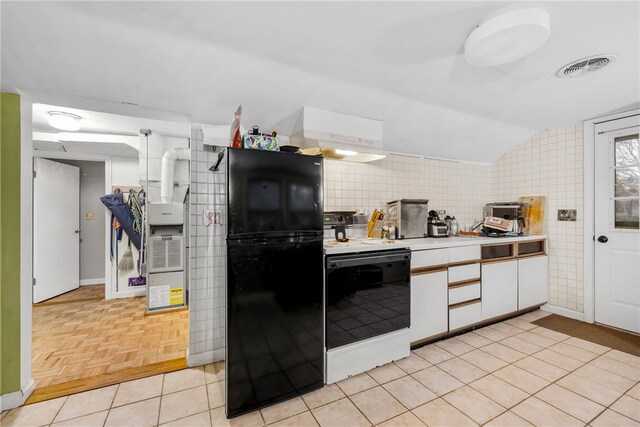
[(93, 328), (617, 223)]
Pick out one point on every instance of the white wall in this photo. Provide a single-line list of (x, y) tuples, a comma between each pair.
[(124, 172), (124, 175)]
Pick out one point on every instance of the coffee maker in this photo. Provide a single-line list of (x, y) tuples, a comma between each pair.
[(437, 226)]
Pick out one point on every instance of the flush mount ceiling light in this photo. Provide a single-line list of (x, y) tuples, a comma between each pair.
[(64, 121), (507, 34)]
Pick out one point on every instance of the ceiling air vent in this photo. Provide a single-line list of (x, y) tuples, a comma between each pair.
[(585, 65)]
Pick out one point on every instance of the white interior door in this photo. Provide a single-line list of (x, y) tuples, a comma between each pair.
[(617, 229), (56, 228)]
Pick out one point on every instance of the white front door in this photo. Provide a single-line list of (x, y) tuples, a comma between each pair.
[(56, 228), (617, 230)]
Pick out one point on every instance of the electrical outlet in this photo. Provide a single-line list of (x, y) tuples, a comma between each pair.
[(212, 217), (567, 214), (89, 216)]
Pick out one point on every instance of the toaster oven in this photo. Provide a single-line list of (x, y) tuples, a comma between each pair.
[(513, 211)]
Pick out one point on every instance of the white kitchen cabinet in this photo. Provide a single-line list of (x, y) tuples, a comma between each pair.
[(429, 306), (533, 281), (499, 288), (464, 315)]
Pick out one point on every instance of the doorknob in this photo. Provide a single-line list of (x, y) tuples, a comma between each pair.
[(603, 239)]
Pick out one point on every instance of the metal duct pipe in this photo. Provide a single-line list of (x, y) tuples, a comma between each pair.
[(168, 170)]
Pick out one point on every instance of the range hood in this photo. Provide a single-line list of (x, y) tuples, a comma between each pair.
[(335, 135)]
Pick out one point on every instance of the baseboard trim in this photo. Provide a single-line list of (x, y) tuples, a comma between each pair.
[(84, 384), (561, 311), (129, 293), (17, 398), (88, 282), (204, 358)]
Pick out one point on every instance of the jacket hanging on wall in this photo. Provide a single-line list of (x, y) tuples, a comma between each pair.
[(122, 212)]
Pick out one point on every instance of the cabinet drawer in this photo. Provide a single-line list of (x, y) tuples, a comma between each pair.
[(429, 258), (464, 293), (464, 253), (464, 315), (461, 273)]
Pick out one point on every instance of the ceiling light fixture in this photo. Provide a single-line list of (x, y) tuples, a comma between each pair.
[(507, 34), (346, 152), (64, 121)]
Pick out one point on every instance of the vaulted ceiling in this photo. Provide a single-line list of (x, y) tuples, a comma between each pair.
[(401, 62)]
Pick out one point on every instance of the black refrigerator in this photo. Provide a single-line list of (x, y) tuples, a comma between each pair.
[(275, 323)]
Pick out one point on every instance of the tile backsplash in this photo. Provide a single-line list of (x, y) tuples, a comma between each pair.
[(459, 188), (551, 164)]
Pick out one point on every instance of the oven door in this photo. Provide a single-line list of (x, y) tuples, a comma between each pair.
[(367, 295)]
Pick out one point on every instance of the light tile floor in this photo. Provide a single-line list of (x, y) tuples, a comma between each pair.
[(509, 374)]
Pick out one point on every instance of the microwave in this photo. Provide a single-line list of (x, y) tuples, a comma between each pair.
[(410, 217)]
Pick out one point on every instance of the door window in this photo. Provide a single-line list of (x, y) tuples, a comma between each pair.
[(626, 200)]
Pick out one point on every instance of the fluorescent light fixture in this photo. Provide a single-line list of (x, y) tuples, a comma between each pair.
[(102, 138), (507, 35), (346, 152), (64, 121)]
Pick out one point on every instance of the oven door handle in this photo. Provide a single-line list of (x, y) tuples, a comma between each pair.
[(332, 264)]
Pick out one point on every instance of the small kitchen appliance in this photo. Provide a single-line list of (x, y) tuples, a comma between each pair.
[(512, 211), (349, 223), (409, 217), (436, 226)]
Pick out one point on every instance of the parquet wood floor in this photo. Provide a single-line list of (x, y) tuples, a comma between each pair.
[(88, 338)]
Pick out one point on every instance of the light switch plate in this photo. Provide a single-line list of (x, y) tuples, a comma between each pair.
[(89, 216), (567, 214)]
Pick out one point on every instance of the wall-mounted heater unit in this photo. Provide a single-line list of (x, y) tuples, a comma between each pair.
[(166, 244)]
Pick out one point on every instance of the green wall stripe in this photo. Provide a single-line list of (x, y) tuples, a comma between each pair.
[(10, 243)]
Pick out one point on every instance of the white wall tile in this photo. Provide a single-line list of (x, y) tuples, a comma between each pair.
[(550, 164), (459, 188)]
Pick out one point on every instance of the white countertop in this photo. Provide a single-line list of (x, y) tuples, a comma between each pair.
[(332, 247)]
